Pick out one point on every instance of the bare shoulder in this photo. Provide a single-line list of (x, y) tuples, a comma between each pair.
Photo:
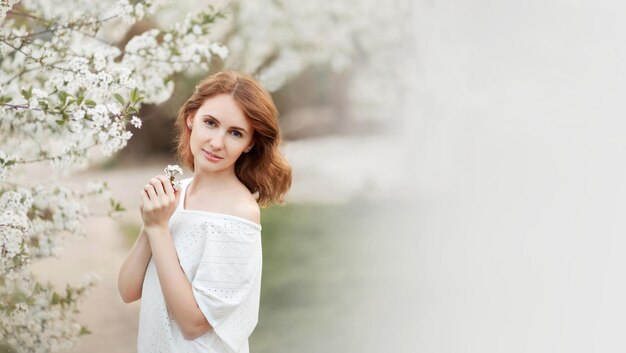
[(246, 206), (247, 209)]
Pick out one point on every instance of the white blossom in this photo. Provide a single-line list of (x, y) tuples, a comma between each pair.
[(64, 92), (136, 122), (219, 50), (277, 40), (171, 171)]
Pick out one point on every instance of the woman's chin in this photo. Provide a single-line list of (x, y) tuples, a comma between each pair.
[(208, 166)]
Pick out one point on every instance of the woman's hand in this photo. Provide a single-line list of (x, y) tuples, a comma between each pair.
[(158, 202)]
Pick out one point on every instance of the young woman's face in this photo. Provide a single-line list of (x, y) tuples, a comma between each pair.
[(220, 133)]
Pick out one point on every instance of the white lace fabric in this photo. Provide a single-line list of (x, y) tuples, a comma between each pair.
[(221, 256)]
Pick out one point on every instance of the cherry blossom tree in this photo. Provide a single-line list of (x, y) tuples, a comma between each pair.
[(364, 44), (276, 40), (66, 89), (71, 85)]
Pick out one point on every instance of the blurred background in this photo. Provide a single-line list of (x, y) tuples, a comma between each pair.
[(336, 254), (458, 179), (518, 162)]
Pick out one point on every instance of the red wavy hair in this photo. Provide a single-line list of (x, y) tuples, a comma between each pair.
[(263, 169)]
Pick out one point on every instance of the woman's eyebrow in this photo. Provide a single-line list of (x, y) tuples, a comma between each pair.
[(233, 127)]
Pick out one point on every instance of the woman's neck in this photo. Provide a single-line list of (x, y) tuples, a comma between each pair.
[(221, 180)]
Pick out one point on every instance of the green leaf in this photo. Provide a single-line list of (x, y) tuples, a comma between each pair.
[(116, 206), (84, 331), (119, 98), (56, 298), (80, 96), (63, 97), (134, 95), (68, 294), (90, 103), (64, 118), (27, 94)]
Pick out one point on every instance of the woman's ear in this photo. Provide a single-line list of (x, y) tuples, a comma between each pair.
[(189, 121), (249, 148)]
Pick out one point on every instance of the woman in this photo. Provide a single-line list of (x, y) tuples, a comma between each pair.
[(197, 262)]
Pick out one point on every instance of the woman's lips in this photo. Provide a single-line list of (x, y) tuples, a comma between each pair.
[(211, 157)]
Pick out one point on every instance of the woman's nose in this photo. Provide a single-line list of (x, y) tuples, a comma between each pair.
[(217, 141)]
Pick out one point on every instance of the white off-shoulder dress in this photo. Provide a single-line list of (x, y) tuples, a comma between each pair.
[(221, 256)]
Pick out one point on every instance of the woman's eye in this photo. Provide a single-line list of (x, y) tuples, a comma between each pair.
[(237, 133), (210, 122)]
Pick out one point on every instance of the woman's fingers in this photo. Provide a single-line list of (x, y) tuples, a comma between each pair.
[(158, 186), (167, 186), (161, 188), (158, 198), (149, 188), (145, 199), (160, 191)]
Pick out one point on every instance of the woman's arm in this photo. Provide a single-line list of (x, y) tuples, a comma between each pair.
[(132, 272), (159, 202), (175, 286)]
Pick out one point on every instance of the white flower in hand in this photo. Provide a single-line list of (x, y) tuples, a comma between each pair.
[(172, 171)]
